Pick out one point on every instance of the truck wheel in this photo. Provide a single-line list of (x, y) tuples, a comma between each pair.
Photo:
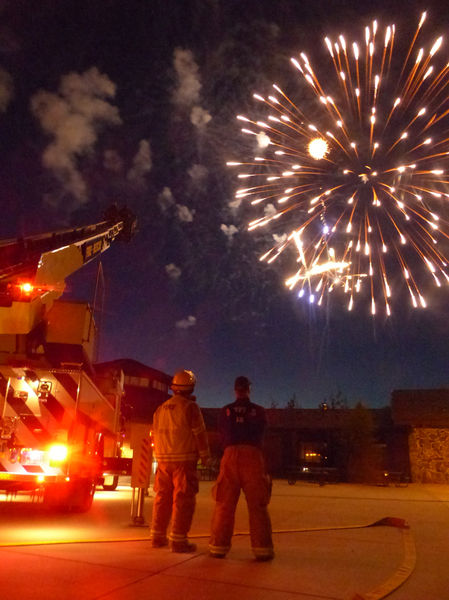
[(56, 498), (83, 495), (112, 483)]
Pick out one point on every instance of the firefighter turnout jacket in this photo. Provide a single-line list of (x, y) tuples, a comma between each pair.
[(179, 437), (179, 432)]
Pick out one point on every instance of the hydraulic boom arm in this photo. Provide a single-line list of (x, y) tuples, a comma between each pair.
[(33, 269)]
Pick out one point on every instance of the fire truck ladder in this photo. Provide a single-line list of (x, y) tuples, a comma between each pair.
[(37, 266)]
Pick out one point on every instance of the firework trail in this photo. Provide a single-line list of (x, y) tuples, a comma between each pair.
[(356, 180)]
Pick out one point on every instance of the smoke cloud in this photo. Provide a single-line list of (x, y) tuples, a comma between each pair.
[(187, 91), (235, 204), (165, 199), (229, 230), (269, 210), (173, 271), (280, 239), (190, 321), (184, 213), (199, 117), (198, 173), (73, 117), (141, 164)]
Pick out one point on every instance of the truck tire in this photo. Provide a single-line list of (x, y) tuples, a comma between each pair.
[(76, 497), (56, 497), (83, 495), (112, 485)]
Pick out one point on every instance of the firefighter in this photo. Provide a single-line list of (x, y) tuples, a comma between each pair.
[(242, 425), (179, 437)]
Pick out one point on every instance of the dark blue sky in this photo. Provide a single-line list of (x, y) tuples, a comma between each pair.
[(135, 102)]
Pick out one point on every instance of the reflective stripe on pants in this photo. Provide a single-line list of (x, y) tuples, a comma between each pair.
[(175, 485), (242, 468)]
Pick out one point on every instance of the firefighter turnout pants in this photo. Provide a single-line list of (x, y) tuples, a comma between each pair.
[(242, 468), (175, 485)]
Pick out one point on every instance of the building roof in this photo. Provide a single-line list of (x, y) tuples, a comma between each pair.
[(135, 368), (210, 416), (140, 404), (145, 388), (420, 408), (305, 418)]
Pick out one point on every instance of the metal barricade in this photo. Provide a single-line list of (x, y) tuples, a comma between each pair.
[(141, 469)]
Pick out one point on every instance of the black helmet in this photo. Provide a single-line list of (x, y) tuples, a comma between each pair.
[(242, 383)]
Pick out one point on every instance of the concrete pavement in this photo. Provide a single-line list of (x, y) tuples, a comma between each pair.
[(323, 551)]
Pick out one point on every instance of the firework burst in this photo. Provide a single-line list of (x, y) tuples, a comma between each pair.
[(356, 182)]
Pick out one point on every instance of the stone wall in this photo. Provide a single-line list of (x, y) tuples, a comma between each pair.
[(429, 455)]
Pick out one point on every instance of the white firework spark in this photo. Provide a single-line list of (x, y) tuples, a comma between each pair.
[(359, 179)]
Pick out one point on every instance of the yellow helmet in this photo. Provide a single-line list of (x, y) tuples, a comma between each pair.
[(183, 381)]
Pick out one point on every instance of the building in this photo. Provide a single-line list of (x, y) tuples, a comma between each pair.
[(409, 438), (421, 420), (318, 439), (145, 389)]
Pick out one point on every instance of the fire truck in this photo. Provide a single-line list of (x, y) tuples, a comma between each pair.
[(59, 416)]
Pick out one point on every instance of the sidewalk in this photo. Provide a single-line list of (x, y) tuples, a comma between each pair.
[(314, 563)]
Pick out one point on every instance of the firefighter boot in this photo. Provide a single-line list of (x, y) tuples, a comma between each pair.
[(182, 547), (217, 554), (264, 558), (265, 555), (159, 542)]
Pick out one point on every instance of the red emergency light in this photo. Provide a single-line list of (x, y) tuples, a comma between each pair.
[(26, 288)]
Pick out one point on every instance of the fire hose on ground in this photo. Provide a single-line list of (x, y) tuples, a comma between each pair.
[(393, 582)]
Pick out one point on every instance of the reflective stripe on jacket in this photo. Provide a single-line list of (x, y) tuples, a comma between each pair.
[(179, 432)]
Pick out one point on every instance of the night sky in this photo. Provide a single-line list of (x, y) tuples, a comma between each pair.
[(134, 102)]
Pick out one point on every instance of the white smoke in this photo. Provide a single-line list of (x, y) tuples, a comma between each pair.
[(198, 173), (229, 230), (184, 213), (165, 199), (280, 239), (173, 271), (141, 164), (270, 210), (64, 167), (187, 91), (190, 321), (198, 177), (6, 89), (72, 117), (86, 94), (234, 205), (199, 117)]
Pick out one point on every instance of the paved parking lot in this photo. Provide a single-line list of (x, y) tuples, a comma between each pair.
[(324, 549)]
